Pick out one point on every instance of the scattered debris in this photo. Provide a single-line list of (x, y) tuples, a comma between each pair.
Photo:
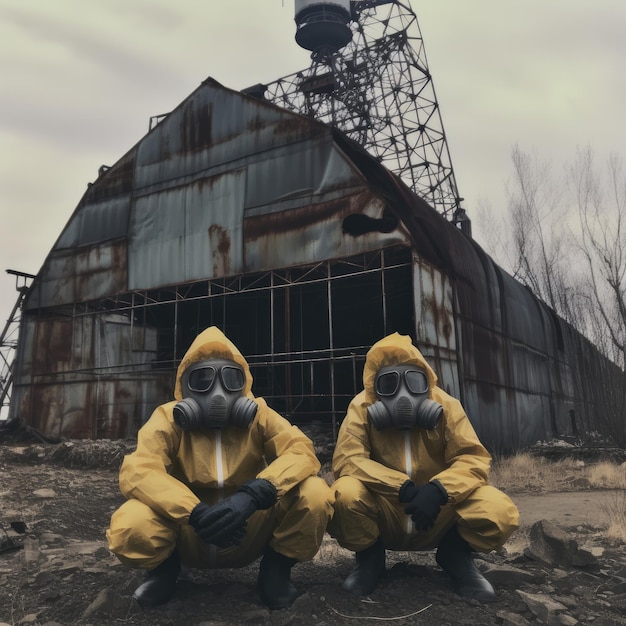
[(552, 545), (12, 538), (63, 572)]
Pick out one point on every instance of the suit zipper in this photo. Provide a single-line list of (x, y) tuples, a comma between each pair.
[(408, 466), (220, 484)]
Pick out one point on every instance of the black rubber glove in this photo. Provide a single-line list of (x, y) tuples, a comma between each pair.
[(201, 519), (423, 503), (224, 524)]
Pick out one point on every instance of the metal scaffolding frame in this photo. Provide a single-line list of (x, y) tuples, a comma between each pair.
[(9, 339), (303, 383)]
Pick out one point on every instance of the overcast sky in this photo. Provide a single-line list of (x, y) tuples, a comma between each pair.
[(81, 78)]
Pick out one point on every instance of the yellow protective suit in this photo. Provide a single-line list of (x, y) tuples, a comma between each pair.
[(172, 470), (370, 466)]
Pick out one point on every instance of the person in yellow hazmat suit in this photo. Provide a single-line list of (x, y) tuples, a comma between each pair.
[(219, 479), (411, 474)]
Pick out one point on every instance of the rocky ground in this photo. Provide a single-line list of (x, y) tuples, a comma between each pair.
[(55, 568)]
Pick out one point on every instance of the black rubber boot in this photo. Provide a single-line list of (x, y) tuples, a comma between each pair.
[(275, 586), (370, 566), (160, 583), (454, 556)]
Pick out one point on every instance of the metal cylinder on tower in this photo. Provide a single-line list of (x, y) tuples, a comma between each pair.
[(322, 25)]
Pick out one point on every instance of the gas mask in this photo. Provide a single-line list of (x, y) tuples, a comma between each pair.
[(212, 396), (403, 399)]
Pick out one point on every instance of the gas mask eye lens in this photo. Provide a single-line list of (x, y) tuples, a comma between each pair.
[(202, 379), (233, 378), (416, 381), (387, 383)]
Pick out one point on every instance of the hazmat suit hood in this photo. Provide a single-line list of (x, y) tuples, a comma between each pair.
[(395, 349), (212, 344)]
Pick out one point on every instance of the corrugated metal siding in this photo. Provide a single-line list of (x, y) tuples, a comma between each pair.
[(79, 275), (228, 185), (187, 233), (301, 173), (96, 222), (297, 236), (216, 127), (109, 408), (435, 332), (123, 405), (74, 376)]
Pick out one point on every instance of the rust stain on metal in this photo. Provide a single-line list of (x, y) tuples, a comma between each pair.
[(208, 182), (62, 413), (53, 348), (197, 126), (256, 123), (274, 224), (114, 181), (436, 303), (440, 318), (299, 126), (220, 245), (113, 262)]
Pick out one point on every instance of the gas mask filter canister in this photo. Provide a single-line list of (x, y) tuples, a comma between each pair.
[(213, 396), (403, 399)]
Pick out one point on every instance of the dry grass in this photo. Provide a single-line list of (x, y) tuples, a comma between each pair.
[(525, 473), (615, 509), (607, 475), (604, 474)]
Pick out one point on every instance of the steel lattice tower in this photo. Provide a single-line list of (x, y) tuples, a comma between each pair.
[(378, 90)]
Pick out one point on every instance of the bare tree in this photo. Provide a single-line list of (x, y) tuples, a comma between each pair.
[(601, 203), (539, 254)]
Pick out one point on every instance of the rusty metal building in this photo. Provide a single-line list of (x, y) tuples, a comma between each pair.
[(304, 250)]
